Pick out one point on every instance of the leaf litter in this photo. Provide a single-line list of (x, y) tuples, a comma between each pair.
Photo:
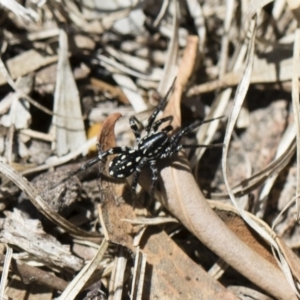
[(223, 223)]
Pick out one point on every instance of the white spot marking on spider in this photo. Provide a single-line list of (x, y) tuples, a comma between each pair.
[(111, 173), (120, 176), (131, 151), (123, 148), (111, 151), (137, 159), (123, 156), (129, 164), (131, 170), (138, 169)]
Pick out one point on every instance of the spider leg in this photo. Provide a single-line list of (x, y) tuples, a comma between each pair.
[(134, 122), (158, 108), (177, 137), (101, 156), (137, 173), (154, 178), (167, 128), (161, 121), (112, 151), (179, 147)]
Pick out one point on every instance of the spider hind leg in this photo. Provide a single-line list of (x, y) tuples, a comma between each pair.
[(161, 121), (154, 178), (137, 173)]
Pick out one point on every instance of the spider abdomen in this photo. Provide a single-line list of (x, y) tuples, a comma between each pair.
[(125, 164), (151, 146)]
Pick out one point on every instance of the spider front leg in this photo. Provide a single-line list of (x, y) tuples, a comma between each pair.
[(134, 122), (158, 108), (111, 151), (175, 140), (179, 147), (161, 121), (174, 148)]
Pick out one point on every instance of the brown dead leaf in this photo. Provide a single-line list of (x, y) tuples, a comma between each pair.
[(115, 206), (233, 220), (171, 274)]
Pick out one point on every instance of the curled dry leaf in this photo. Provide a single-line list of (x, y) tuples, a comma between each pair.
[(117, 202), (186, 202)]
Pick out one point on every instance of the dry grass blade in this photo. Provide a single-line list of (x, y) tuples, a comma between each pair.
[(116, 283), (207, 131), (26, 14), (34, 60), (239, 97), (162, 11), (4, 275), (116, 66), (287, 143), (139, 275), (69, 131), (130, 90), (54, 161), (248, 185), (170, 64), (152, 221), (84, 275), (296, 110)]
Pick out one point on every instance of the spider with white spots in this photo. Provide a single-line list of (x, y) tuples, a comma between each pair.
[(153, 146)]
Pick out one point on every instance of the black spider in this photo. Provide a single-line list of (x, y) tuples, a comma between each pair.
[(153, 146)]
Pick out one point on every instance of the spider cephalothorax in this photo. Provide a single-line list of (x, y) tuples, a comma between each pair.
[(156, 144)]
